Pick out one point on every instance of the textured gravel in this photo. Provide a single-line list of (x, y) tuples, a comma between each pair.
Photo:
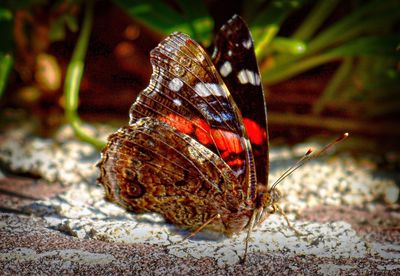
[(81, 212)]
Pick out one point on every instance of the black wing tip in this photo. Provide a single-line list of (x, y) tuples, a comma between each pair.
[(236, 20), (235, 25), (236, 17)]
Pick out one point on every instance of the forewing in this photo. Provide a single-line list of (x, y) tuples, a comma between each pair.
[(235, 59), (186, 92)]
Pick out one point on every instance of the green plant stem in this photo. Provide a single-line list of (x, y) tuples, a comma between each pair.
[(355, 23), (73, 79), (6, 62), (316, 17), (361, 21), (287, 46), (268, 34), (290, 69)]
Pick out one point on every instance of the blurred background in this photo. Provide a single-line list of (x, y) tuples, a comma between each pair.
[(328, 66)]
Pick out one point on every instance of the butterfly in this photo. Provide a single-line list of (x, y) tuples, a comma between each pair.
[(196, 147)]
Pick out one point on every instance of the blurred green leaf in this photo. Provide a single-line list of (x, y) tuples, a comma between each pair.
[(190, 18), (6, 46), (6, 21), (374, 14), (288, 46), (319, 13), (5, 14), (372, 45), (199, 19), (266, 24), (274, 13), (6, 62), (59, 26)]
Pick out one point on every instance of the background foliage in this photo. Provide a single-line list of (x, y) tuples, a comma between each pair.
[(355, 42)]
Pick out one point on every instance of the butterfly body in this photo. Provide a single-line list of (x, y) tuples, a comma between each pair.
[(196, 147)]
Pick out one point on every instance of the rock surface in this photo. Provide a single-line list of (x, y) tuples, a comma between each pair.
[(346, 209)]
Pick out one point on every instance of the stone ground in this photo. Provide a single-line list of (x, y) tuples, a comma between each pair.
[(53, 219)]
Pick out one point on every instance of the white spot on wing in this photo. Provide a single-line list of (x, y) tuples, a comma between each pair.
[(175, 85), (215, 52), (225, 69), (252, 77), (230, 53), (247, 43), (247, 76), (201, 58), (242, 76), (177, 102), (208, 89), (258, 81)]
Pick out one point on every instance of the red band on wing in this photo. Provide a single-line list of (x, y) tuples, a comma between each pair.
[(202, 131), (178, 122), (236, 162), (227, 141), (257, 134)]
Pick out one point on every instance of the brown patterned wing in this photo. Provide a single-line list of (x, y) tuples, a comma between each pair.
[(150, 167), (187, 93)]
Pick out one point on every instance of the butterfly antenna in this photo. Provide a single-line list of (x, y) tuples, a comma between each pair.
[(308, 157), (331, 144), (291, 169)]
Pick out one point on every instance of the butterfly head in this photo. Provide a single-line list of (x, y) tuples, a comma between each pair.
[(275, 196), (268, 198)]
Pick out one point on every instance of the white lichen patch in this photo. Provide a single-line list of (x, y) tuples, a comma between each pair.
[(64, 161), (387, 250), (328, 181), (92, 217), (325, 240)]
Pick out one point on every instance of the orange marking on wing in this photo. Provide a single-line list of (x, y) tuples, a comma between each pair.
[(256, 133), (227, 141), (202, 131), (236, 161), (225, 154), (178, 122)]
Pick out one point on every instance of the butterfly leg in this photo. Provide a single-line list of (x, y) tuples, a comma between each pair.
[(217, 216), (249, 230), (291, 227)]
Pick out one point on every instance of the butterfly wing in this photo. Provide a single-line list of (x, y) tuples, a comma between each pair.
[(150, 167), (235, 59), (187, 93)]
